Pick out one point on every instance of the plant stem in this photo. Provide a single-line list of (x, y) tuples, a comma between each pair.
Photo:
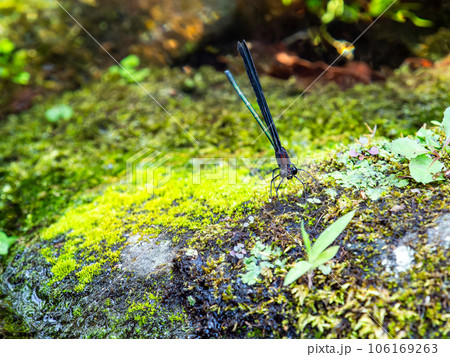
[(310, 283)]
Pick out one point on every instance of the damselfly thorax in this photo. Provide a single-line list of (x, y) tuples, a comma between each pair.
[(287, 169)]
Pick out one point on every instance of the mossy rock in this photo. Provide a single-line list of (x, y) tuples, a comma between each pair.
[(85, 255)]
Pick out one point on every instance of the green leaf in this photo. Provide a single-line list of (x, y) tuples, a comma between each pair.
[(22, 78), (427, 135), (4, 72), (351, 13), (408, 148), (59, 112), (141, 74), (131, 61), (306, 239), (419, 22), (446, 123), (5, 243), (423, 169), (401, 183), (252, 274), (6, 46), (114, 69), (374, 193), (300, 268), (19, 59), (376, 7), (325, 269), (325, 256), (329, 235)]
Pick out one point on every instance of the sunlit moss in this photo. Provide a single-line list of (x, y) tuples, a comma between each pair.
[(64, 267), (94, 231)]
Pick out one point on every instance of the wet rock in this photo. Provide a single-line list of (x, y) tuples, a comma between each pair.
[(116, 303)]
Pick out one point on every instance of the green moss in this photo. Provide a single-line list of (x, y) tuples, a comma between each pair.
[(150, 313), (86, 274), (63, 268), (94, 232)]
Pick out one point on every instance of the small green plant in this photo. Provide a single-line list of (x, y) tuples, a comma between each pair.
[(373, 179), (260, 261), (130, 72), (425, 151), (12, 63), (59, 112), (368, 168), (5, 243), (319, 253), (238, 251)]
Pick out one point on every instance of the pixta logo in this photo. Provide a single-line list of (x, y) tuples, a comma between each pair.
[(148, 170)]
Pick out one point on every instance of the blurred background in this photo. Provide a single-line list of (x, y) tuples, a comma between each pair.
[(42, 50)]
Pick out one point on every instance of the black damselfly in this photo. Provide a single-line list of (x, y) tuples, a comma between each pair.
[(285, 166)]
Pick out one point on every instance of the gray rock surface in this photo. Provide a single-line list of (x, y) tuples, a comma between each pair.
[(143, 255), (401, 258)]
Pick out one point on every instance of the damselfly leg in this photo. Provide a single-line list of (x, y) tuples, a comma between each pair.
[(300, 179), (273, 173), (273, 179), (278, 187), (306, 172), (304, 186)]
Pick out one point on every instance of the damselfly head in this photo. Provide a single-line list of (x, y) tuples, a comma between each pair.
[(291, 171)]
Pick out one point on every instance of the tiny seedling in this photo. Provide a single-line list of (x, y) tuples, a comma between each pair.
[(238, 251), (263, 258), (319, 253), (128, 69)]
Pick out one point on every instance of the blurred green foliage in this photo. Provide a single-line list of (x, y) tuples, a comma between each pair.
[(318, 254), (435, 46), (48, 52), (12, 63), (353, 11), (425, 151), (5, 243)]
